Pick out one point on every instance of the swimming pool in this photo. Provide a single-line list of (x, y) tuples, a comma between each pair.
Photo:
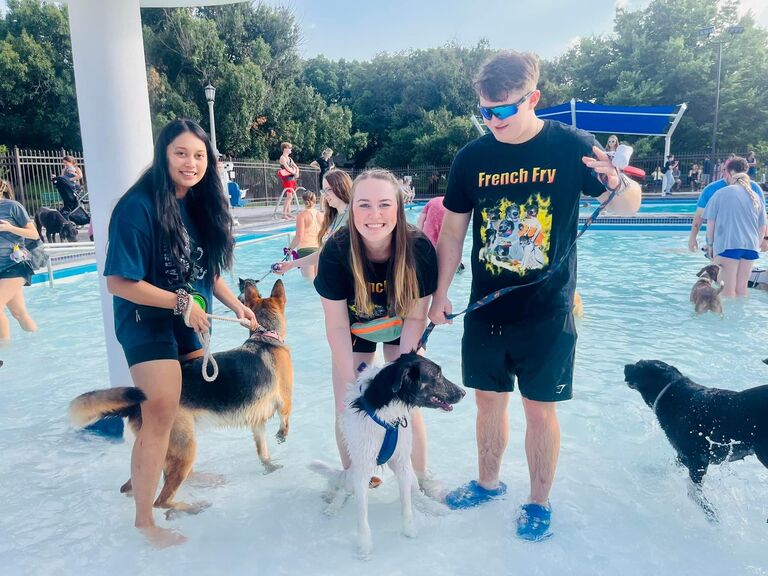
[(620, 503)]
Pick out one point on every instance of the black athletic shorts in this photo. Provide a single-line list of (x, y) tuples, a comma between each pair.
[(166, 339), (366, 346), (539, 353)]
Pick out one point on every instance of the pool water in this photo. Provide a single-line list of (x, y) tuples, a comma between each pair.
[(619, 501), (649, 209)]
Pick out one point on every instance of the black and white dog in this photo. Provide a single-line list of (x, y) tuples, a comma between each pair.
[(375, 427), (704, 425)]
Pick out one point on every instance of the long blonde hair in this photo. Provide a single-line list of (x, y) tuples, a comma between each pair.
[(341, 184), (402, 282), (743, 180)]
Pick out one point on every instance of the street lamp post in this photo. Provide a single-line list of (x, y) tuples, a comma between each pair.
[(210, 96), (711, 32)]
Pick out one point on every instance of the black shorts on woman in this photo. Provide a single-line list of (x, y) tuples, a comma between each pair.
[(525, 204)]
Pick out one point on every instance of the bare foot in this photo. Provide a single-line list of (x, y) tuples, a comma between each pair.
[(160, 538), (27, 324)]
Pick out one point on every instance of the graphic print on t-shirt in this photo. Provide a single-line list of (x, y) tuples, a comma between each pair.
[(516, 236), (378, 294)]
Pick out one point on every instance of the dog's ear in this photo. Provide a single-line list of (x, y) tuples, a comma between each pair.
[(410, 375), (250, 294), (278, 293), (241, 285)]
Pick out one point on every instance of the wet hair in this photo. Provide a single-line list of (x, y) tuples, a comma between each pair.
[(402, 282), (341, 184), (737, 165), (6, 190), (507, 72), (205, 202), (309, 197)]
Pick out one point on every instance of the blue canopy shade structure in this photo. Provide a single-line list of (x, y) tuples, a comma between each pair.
[(627, 120)]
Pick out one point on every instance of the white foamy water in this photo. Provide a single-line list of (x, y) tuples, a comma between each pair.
[(619, 501)]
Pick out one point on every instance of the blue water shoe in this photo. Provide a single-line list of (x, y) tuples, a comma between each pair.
[(472, 494), (533, 522)]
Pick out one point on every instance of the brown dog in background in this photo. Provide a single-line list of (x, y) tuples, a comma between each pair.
[(704, 297), (255, 381)]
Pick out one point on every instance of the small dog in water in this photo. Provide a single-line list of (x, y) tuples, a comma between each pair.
[(380, 401), (704, 425), (704, 297)]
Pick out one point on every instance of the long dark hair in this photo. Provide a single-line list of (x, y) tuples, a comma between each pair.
[(205, 202)]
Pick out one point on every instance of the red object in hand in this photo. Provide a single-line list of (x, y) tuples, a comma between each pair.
[(634, 172)]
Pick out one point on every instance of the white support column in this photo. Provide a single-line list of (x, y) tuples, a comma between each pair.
[(672, 127), (113, 102), (573, 112)]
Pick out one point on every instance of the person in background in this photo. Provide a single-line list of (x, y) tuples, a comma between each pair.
[(15, 227), (669, 175), (706, 171), (306, 241), (324, 163), (337, 191), (736, 231), (170, 239), (752, 163), (694, 177), (735, 165), (378, 268), (612, 144), (406, 189), (289, 174)]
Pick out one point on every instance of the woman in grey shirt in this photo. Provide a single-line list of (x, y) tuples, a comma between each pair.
[(15, 226), (736, 227)]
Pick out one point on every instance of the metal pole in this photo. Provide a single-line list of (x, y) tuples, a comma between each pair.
[(212, 124), (717, 110)]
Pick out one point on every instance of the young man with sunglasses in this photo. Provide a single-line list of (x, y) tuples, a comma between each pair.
[(522, 181)]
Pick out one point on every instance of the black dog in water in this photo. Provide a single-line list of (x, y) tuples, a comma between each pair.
[(54, 223), (704, 425)]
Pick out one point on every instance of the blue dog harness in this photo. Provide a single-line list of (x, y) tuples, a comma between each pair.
[(390, 430), (390, 433)]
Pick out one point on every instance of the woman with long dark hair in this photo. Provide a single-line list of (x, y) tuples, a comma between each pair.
[(170, 238)]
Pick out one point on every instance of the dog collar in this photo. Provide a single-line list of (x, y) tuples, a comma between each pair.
[(663, 390), (389, 443), (269, 334)]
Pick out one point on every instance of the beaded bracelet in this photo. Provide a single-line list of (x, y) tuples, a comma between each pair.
[(182, 302)]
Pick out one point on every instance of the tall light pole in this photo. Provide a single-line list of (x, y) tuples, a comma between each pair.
[(210, 96), (710, 32)]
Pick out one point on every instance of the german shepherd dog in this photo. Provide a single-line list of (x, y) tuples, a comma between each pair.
[(389, 393), (255, 381), (704, 425)]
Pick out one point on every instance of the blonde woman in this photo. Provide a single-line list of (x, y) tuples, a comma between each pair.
[(15, 226), (375, 279), (337, 190), (736, 231), (307, 238)]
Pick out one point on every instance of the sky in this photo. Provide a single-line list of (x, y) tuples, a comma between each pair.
[(359, 29)]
